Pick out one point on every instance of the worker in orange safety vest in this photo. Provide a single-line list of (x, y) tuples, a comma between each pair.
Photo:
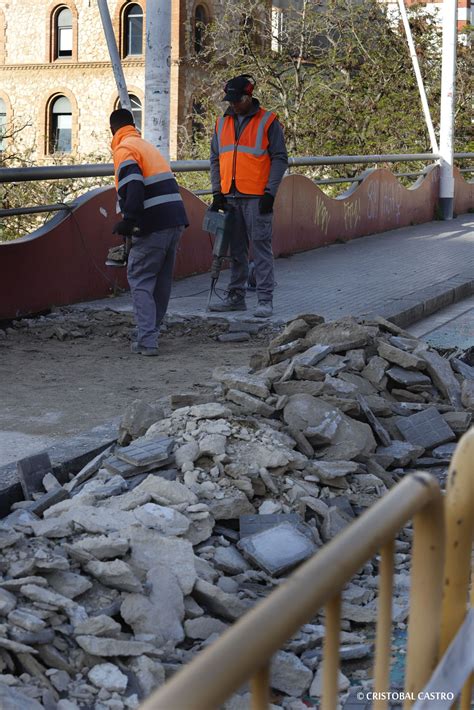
[(154, 218), (248, 161)]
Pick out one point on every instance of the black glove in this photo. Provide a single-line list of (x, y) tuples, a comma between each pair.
[(265, 204), (218, 202), (126, 227)]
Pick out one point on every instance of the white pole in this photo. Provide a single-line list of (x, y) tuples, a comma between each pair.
[(448, 85), (419, 78), (158, 74), (114, 54)]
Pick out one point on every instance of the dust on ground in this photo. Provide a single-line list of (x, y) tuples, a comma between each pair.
[(67, 372)]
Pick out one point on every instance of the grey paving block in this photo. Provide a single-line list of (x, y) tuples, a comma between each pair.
[(252, 524), (277, 549), (427, 429), (144, 452), (54, 496), (379, 430), (408, 378), (31, 471)]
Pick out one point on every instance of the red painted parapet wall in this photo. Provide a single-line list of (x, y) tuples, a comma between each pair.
[(63, 262)]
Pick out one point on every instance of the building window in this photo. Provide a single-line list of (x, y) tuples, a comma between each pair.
[(3, 124), (63, 33), (61, 126), (137, 110), (201, 19), (133, 31)]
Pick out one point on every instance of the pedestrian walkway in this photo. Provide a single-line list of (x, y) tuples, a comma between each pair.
[(404, 275)]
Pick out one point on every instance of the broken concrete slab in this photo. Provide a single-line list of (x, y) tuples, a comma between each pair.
[(31, 471), (408, 361), (342, 335), (442, 376), (277, 549), (426, 429), (253, 524), (408, 378), (398, 454)]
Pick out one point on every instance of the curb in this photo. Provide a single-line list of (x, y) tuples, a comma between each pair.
[(67, 456), (420, 304)]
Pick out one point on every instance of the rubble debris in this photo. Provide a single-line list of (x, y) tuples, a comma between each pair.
[(114, 580)]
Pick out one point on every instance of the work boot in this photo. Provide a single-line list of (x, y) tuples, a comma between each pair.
[(233, 302), (263, 310), (143, 350)]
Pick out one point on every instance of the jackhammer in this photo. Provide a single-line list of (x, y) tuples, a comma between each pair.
[(220, 225)]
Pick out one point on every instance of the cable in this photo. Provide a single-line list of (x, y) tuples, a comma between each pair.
[(114, 285)]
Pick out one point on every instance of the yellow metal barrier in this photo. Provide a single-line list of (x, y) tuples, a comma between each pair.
[(244, 651), (458, 575)]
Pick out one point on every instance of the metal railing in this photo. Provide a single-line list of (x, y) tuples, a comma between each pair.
[(61, 172), (244, 651)]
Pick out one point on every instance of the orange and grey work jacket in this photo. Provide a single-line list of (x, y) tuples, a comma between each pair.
[(147, 190), (245, 160)]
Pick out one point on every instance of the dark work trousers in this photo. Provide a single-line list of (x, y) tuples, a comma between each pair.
[(150, 275), (251, 226)]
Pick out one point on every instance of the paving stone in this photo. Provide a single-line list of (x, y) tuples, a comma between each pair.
[(409, 361), (144, 452), (114, 647), (467, 371), (443, 376), (467, 394), (31, 471), (399, 453), (227, 606), (289, 675), (123, 468), (108, 676), (252, 384), (253, 524), (277, 549), (56, 495), (408, 378), (249, 403), (444, 452), (427, 429), (380, 432), (342, 335)]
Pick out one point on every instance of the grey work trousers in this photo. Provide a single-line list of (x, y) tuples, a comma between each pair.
[(150, 275), (251, 226)]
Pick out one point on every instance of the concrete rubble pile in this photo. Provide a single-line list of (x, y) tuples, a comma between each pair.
[(114, 580)]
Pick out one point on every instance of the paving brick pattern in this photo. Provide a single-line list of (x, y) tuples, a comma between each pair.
[(355, 278)]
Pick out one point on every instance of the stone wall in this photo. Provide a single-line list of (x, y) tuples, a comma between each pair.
[(30, 77)]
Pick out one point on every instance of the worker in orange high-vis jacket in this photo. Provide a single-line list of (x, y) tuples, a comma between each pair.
[(248, 161), (154, 217)]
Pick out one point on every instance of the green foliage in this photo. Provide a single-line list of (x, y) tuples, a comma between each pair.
[(338, 74), (29, 194)]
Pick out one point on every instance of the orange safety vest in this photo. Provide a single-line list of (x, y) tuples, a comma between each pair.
[(245, 160)]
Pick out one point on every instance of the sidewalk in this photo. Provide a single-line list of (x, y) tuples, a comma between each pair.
[(403, 275)]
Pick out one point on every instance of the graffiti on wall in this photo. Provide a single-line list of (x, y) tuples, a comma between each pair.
[(321, 215), (351, 214), (391, 200), (372, 200)]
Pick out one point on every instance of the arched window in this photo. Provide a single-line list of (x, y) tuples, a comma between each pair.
[(137, 110), (61, 126), (63, 33), (3, 123), (133, 31), (201, 19)]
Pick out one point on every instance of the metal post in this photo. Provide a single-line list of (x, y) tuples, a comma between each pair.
[(260, 688), (158, 74), (448, 85), (419, 78), (114, 54), (331, 653), (425, 609), (383, 642)]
